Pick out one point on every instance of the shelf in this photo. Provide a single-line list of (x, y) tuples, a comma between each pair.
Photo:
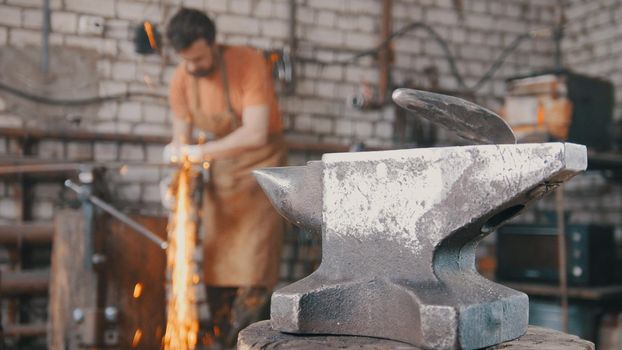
[(26, 233), (586, 293), (604, 160)]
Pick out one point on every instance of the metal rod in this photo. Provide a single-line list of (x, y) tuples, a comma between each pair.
[(25, 330), (45, 39), (88, 212), (25, 282), (561, 251), (558, 36), (293, 43), (120, 216)]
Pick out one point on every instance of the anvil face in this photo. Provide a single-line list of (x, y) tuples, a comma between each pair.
[(399, 232)]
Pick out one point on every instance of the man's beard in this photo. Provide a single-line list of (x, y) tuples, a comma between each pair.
[(200, 73)]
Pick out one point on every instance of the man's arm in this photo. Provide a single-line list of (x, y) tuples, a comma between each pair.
[(181, 131), (252, 133)]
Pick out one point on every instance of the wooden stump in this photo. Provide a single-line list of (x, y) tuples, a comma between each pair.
[(130, 259), (260, 335), (71, 286)]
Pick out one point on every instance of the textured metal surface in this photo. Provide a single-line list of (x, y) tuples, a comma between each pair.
[(466, 119), (399, 231)]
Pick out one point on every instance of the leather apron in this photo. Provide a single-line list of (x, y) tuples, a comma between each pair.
[(242, 231)]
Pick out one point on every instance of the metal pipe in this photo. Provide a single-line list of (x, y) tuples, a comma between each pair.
[(293, 44), (45, 38), (561, 251), (119, 215), (30, 233), (29, 282), (88, 212), (25, 330), (558, 36), (383, 56)]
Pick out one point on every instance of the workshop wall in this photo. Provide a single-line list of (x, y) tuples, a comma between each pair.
[(593, 42), (476, 31)]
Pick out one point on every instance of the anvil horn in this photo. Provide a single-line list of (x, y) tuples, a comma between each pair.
[(468, 120), (295, 192)]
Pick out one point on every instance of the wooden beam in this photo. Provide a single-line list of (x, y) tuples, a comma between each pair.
[(25, 282), (25, 330), (584, 293), (29, 233)]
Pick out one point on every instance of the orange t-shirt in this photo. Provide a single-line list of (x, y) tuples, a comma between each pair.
[(250, 84)]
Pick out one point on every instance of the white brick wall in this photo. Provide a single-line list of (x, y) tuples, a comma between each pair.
[(131, 152), (593, 42), (235, 24), (32, 18), (26, 37), (130, 112), (10, 16), (8, 208), (138, 11), (104, 8), (64, 22), (106, 151), (79, 150), (4, 34)]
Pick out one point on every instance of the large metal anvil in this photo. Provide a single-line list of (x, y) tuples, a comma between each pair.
[(399, 232)]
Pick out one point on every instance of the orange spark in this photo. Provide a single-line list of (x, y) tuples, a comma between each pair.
[(138, 334), (138, 290)]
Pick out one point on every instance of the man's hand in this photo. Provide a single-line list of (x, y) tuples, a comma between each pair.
[(175, 153)]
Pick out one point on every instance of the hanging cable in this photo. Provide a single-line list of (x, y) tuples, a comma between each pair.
[(444, 46), (547, 32), (78, 101)]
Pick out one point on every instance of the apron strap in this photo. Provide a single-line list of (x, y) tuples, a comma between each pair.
[(225, 87), (195, 103)]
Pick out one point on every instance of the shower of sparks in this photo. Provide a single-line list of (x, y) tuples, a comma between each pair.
[(182, 324)]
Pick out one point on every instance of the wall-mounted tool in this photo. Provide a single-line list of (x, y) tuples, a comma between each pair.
[(282, 65), (366, 98), (147, 39)]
